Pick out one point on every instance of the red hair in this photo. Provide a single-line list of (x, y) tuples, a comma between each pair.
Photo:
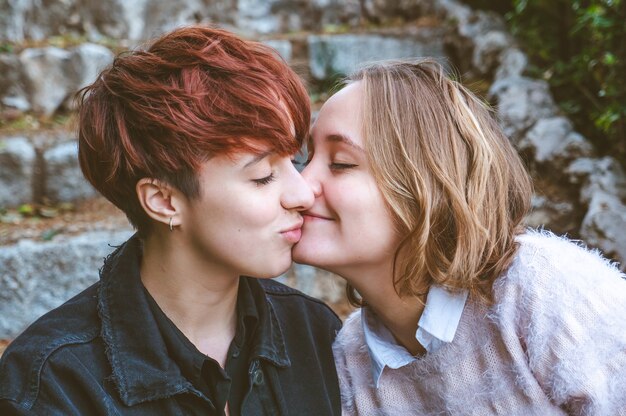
[(194, 93)]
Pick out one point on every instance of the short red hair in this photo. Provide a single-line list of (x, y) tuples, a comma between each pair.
[(194, 93)]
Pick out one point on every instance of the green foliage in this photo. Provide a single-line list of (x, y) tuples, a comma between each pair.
[(6, 47), (579, 47)]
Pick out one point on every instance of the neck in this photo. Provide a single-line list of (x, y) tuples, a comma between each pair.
[(400, 315), (197, 296)]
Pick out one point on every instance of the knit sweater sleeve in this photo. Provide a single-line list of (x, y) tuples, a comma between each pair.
[(567, 306)]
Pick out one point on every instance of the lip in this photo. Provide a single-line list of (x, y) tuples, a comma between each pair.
[(293, 233), (313, 216)]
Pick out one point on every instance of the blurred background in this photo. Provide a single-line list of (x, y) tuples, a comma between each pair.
[(552, 69)]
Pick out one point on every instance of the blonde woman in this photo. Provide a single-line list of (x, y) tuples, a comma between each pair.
[(419, 201)]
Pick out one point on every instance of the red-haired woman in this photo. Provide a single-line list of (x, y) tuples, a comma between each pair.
[(192, 138)]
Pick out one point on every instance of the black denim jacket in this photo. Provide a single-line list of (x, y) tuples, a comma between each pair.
[(101, 354)]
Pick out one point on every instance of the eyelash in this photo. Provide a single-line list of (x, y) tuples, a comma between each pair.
[(342, 166), (265, 180), (332, 166)]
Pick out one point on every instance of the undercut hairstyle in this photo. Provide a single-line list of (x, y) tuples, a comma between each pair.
[(194, 93), (456, 187)]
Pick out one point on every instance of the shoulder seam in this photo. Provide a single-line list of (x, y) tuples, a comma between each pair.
[(278, 289), (38, 364), (294, 292)]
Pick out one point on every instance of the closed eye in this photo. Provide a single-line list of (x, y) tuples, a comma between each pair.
[(264, 181), (342, 166)]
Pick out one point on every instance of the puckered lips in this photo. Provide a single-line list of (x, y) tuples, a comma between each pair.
[(293, 232)]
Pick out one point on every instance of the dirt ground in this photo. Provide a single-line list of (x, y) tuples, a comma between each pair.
[(3, 344), (43, 222)]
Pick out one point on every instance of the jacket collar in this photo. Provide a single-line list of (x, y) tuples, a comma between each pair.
[(142, 369)]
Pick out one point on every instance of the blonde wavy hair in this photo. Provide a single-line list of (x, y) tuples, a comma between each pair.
[(456, 188)]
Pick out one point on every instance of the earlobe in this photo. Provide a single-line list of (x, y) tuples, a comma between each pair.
[(158, 201)]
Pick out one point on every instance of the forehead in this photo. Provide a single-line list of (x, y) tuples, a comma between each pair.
[(340, 117)]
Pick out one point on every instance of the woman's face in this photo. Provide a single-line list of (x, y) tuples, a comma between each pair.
[(247, 217), (349, 227)]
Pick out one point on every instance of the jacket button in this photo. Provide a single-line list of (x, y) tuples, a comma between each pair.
[(257, 378)]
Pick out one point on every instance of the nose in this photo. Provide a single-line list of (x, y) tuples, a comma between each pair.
[(298, 195), (311, 179)]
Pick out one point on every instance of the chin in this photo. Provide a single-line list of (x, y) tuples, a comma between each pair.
[(298, 254), (303, 256), (278, 269)]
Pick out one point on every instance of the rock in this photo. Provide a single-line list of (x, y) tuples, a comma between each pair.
[(12, 20), (521, 102), (479, 36), (164, 16), (331, 55), (283, 47), (64, 179), (476, 23), (513, 63), (453, 10), (552, 141), (604, 224), (318, 283), (47, 73), (17, 167), (469, 23), (597, 175), (284, 16), (53, 18), (12, 91), (257, 16), (555, 215), (487, 50), (47, 78), (116, 19), (603, 190), (89, 60), (135, 20), (328, 13), (36, 277), (377, 10), (27, 19)]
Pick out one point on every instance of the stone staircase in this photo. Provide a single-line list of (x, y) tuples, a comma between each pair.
[(52, 253)]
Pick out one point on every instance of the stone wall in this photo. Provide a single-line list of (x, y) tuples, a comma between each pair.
[(577, 192)]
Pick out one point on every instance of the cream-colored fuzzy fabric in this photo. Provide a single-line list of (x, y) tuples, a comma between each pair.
[(554, 343)]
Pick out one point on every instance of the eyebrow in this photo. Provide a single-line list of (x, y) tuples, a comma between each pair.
[(340, 138), (257, 159)]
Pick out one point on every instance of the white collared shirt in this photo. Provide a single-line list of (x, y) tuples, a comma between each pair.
[(436, 327)]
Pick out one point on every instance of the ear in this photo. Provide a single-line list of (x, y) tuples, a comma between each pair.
[(159, 200)]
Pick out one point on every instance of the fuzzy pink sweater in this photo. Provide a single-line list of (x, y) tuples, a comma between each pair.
[(554, 343)]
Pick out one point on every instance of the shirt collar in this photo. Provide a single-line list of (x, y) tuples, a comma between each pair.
[(184, 352), (436, 327)]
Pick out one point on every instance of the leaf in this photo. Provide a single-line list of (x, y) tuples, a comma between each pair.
[(609, 59), (26, 210)]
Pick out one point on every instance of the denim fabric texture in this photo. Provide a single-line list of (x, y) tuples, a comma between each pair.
[(101, 353)]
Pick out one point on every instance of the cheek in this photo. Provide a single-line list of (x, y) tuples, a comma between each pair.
[(371, 220), (251, 211)]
